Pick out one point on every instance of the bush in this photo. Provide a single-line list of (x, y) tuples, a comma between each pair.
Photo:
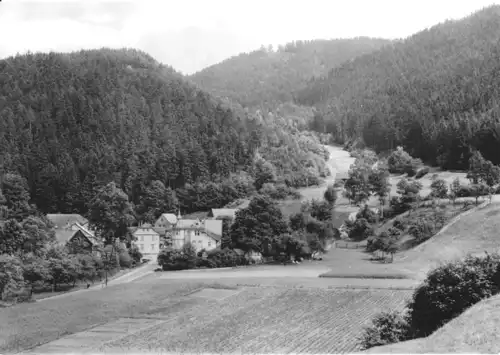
[(399, 224), (360, 229), (464, 191), (135, 254), (399, 162), (330, 194), (226, 258), (367, 213), (421, 230), (386, 328), (206, 263), (125, 259), (172, 259), (422, 172), (445, 294), (451, 289), (410, 169)]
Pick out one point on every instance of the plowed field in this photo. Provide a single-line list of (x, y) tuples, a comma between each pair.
[(262, 320)]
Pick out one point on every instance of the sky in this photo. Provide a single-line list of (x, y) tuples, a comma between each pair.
[(192, 34)]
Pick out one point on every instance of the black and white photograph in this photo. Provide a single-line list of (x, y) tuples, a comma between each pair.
[(249, 177)]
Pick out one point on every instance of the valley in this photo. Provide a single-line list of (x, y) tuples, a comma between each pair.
[(321, 196)]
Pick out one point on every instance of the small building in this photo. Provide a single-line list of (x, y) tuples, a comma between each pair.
[(78, 241), (71, 231), (147, 240)]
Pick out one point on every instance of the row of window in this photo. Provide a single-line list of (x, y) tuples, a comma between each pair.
[(177, 232), (141, 238), (153, 246)]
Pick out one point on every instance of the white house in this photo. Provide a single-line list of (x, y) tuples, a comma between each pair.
[(203, 234), (147, 240)]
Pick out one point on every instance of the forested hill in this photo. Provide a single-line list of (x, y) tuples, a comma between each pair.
[(70, 123), (436, 93), (268, 77)]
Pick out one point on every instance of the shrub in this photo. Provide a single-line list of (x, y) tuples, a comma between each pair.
[(386, 328), (172, 259), (421, 173), (421, 230), (226, 258), (445, 294), (330, 194), (399, 162), (206, 263), (399, 224), (464, 191), (125, 259), (11, 277), (367, 213), (360, 229), (410, 169), (451, 289), (135, 254)]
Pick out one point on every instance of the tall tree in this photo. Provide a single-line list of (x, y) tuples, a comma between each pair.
[(110, 213), (261, 219)]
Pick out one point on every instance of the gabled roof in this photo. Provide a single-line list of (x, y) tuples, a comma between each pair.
[(63, 236), (61, 220), (85, 230), (143, 227), (170, 217)]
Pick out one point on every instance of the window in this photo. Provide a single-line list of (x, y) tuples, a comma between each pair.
[(197, 233), (209, 244), (141, 247), (152, 247), (141, 238), (154, 238)]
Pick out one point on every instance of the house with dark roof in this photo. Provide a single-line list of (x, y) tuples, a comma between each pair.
[(78, 239), (72, 231)]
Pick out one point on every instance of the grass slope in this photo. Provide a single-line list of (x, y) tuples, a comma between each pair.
[(474, 331), (473, 233)]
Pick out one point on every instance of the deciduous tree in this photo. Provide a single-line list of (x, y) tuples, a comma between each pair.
[(110, 212)]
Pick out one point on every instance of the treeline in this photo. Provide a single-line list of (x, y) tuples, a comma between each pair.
[(266, 77), (72, 123), (435, 93)]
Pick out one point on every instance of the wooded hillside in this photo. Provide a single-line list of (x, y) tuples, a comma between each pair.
[(267, 77), (435, 93), (72, 122)]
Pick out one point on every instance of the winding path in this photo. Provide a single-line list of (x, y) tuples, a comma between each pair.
[(339, 163)]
